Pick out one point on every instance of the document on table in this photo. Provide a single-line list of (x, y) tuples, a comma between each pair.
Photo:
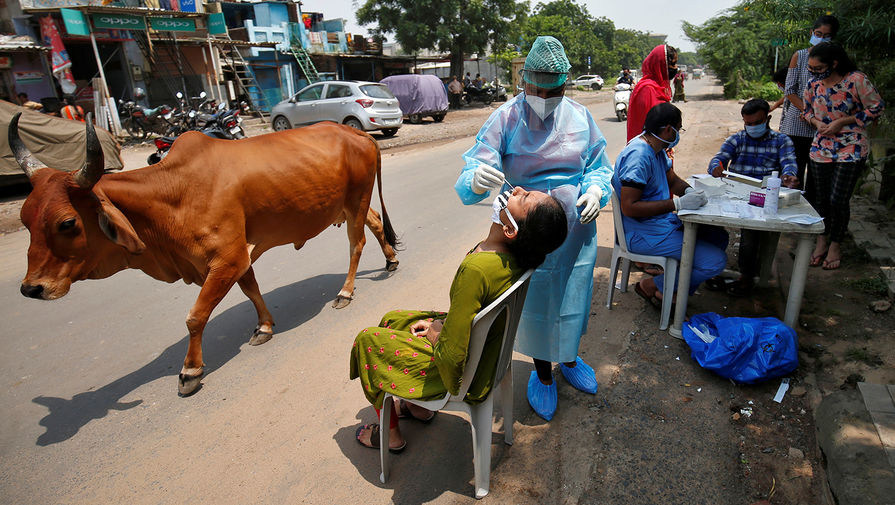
[(742, 210)]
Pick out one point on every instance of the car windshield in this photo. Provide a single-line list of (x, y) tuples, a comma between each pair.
[(376, 91)]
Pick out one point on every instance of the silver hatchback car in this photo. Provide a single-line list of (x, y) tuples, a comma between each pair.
[(363, 105)]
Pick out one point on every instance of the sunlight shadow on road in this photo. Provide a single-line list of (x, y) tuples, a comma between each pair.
[(231, 329)]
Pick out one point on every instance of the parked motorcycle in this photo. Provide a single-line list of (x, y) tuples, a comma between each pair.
[(139, 121), (223, 124), (497, 90), (474, 94), (622, 95)]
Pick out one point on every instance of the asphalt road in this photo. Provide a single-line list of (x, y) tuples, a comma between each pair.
[(88, 382)]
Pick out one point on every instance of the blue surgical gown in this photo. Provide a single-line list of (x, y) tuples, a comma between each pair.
[(640, 165), (565, 155)]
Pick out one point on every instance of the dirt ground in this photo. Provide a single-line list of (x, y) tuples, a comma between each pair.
[(770, 451)]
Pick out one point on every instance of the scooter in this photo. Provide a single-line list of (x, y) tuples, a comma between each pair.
[(498, 92), (622, 95)]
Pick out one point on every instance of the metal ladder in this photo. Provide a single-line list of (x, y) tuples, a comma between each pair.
[(245, 77), (301, 56)]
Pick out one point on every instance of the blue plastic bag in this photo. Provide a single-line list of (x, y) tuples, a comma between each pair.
[(746, 350)]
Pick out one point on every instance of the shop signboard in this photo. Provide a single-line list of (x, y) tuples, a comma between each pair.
[(28, 76), (216, 24), (172, 24), (118, 21), (75, 22), (188, 5)]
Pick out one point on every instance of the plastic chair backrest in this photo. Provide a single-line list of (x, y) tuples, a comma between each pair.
[(510, 302), (619, 223)]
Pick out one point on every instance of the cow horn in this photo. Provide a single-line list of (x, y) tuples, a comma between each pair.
[(94, 165), (24, 158)]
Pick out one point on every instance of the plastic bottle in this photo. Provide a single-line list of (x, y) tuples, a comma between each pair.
[(772, 194)]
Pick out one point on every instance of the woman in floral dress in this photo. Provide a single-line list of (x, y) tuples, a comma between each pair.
[(422, 354), (840, 102)]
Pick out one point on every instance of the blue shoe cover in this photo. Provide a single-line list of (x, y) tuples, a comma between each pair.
[(542, 398), (581, 376)]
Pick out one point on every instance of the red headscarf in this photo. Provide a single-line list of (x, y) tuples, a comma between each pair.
[(652, 89)]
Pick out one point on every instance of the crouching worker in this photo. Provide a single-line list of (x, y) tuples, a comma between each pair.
[(422, 354), (756, 151), (644, 178)]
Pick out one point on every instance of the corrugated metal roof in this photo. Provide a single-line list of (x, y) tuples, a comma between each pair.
[(20, 43)]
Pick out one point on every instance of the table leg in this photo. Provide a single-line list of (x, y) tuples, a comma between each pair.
[(685, 269), (797, 283), (768, 251)]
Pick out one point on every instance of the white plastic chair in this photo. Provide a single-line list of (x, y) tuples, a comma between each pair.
[(511, 302), (621, 253)]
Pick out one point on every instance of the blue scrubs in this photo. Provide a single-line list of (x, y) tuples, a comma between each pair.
[(663, 235), (564, 154)]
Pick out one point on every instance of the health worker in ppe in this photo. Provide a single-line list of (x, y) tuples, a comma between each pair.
[(541, 140), (649, 194)]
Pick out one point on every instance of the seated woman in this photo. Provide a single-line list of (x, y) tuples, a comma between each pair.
[(421, 354)]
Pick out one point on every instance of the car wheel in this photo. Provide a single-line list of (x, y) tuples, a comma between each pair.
[(415, 118), (354, 123), (438, 117), (595, 86), (280, 123), (389, 132)]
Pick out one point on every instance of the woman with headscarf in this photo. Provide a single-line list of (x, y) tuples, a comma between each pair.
[(659, 68), (544, 141)]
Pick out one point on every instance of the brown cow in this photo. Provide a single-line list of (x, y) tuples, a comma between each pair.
[(204, 214)]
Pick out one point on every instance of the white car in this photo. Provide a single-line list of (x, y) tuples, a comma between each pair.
[(588, 81)]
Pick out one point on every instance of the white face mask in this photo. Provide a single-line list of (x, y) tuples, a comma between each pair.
[(543, 107), (500, 203)]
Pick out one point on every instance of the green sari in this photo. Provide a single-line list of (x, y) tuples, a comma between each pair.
[(390, 358)]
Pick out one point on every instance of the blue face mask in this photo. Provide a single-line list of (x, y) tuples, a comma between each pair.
[(815, 40), (677, 138), (757, 131)]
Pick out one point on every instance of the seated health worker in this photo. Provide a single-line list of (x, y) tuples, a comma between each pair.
[(543, 140), (649, 193), (421, 354), (756, 151)]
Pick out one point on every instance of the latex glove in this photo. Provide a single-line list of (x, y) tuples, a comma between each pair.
[(689, 189), (486, 178), (591, 202), (691, 200)]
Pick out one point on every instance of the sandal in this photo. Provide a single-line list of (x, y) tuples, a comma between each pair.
[(654, 270), (740, 289), (718, 283), (833, 264), (817, 260), (655, 302), (405, 413), (374, 438)]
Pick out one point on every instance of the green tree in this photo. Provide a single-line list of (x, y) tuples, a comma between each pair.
[(581, 35), (736, 44), (631, 47), (458, 26)]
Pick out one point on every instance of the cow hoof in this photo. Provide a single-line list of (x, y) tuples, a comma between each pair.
[(391, 266), (188, 384), (259, 337), (341, 302)]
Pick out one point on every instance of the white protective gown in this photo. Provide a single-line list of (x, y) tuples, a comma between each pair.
[(565, 155)]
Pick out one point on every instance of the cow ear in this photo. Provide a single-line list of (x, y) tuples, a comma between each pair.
[(119, 230)]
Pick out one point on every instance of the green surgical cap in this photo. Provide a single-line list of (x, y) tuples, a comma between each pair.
[(546, 65)]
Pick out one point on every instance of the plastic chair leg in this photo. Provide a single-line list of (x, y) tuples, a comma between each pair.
[(506, 405), (385, 416), (668, 292), (613, 273), (480, 421), (626, 273)]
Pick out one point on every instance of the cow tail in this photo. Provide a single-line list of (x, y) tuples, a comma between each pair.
[(390, 235)]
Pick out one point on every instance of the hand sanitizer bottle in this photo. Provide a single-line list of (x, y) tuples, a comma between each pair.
[(772, 194)]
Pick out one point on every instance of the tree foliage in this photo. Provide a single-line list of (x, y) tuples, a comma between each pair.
[(585, 36), (460, 27)]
